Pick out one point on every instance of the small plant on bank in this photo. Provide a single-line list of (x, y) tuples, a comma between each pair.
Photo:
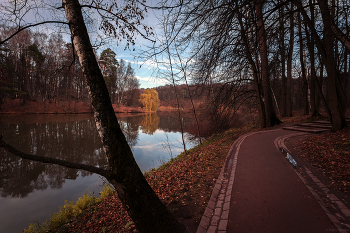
[(69, 211)]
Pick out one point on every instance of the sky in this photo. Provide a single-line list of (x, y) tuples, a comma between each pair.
[(145, 71)]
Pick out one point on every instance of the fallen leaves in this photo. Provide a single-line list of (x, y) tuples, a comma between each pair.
[(330, 153), (184, 185)]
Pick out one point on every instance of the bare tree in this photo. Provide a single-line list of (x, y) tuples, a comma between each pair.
[(142, 204)]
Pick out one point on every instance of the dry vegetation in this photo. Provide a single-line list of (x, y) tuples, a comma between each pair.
[(184, 184), (330, 152)]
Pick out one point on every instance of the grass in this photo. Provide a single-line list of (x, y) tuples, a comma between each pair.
[(69, 211)]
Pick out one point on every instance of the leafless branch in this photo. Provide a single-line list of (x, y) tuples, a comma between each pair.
[(28, 26), (60, 162)]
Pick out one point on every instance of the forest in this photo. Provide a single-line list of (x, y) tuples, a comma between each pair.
[(40, 67), (275, 57), (224, 69), (268, 58)]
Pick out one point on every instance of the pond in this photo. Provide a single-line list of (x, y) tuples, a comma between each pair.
[(31, 191)]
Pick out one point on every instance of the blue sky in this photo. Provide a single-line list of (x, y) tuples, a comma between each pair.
[(47, 10), (145, 71)]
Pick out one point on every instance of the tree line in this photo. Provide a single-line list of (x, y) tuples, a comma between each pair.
[(291, 54), (141, 202), (238, 43), (36, 66)]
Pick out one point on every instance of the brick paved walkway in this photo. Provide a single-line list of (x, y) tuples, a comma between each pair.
[(259, 190)]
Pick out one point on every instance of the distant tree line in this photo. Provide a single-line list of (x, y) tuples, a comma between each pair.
[(120, 79), (36, 66)]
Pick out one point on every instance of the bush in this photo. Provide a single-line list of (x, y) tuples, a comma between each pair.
[(69, 211)]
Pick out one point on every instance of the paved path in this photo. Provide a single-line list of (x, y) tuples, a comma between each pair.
[(259, 190)]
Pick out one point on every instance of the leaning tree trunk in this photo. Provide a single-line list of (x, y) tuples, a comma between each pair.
[(271, 118), (143, 205)]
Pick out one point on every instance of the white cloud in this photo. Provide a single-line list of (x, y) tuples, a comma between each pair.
[(149, 82), (143, 78)]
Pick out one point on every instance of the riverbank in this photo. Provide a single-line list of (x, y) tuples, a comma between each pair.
[(185, 183), (63, 107)]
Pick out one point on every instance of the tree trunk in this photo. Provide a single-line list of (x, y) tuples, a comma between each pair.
[(289, 106), (271, 118), (315, 95), (143, 205), (259, 101), (283, 64), (335, 92), (303, 69)]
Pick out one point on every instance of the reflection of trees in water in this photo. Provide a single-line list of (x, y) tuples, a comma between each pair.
[(76, 141), (169, 121), (149, 123), (73, 138), (130, 127)]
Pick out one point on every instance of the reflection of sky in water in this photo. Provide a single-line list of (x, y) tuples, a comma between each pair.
[(38, 205), (152, 151)]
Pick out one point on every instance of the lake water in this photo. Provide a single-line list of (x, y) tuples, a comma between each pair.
[(31, 191)]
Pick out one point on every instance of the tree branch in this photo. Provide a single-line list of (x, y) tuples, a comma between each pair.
[(341, 36), (118, 17), (32, 25), (60, 162)]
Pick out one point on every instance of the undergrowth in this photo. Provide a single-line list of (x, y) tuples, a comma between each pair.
[(68, 211)]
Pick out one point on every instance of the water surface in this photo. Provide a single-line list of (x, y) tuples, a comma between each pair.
[(31, 191)]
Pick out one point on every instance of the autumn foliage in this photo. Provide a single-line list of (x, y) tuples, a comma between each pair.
[(149, 99), (184, 185), (330, 152)]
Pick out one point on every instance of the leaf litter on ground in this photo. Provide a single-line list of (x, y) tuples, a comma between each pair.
[(330, 152), (184, 184)]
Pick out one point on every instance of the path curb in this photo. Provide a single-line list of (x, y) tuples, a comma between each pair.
[(337, 212), (215, 217)]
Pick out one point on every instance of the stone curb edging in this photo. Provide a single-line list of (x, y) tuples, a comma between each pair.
[(329, 208), (215, 217)]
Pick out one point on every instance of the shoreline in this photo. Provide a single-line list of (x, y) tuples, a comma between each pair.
[(63, 107)]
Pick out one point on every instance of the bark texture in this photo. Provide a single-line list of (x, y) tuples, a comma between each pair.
[(289, 106), (143, 205), (303, 68), (261, 110), (336, 103), (271, 118), (283, 64), (335, 91)]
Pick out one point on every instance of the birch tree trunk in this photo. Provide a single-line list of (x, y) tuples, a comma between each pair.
[(143, 205)]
